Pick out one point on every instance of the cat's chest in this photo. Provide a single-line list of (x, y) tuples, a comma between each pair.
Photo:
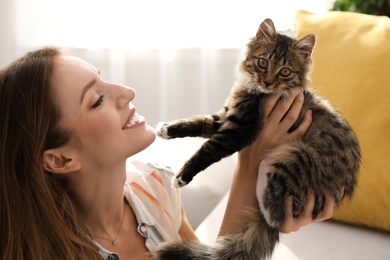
[(247, 103)]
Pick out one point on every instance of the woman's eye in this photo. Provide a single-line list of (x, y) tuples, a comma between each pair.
[(98, 102), (285, 72), (263, 63)]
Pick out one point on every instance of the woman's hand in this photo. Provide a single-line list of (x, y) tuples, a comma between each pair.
[(293, 224), (280, 115)]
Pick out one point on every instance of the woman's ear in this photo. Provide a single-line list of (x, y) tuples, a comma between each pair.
[(56, 162)]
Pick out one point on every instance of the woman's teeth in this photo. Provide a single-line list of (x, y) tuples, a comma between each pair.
[(135, 119)]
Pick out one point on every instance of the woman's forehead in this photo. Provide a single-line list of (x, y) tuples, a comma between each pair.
[(70, 75), (70, 63)]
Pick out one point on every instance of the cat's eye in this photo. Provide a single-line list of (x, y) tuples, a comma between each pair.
[(285, 72), (263, 63)]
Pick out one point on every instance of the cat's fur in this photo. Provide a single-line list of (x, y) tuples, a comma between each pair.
[(256, 241), (325, 160)]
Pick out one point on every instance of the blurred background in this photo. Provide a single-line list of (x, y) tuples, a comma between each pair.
[(179, 55)]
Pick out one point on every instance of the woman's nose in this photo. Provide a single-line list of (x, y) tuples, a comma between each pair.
[(125, 96)]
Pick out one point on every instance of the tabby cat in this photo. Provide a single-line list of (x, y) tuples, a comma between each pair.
[(325, 160)]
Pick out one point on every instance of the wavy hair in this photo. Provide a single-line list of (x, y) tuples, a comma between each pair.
[(37, 218)]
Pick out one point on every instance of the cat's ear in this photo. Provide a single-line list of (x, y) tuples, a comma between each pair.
[(306, 44), (266, 30)]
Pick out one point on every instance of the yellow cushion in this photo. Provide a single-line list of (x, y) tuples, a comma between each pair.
[(352, 70)]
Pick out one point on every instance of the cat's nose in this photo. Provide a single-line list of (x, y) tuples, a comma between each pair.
[(267, 84)]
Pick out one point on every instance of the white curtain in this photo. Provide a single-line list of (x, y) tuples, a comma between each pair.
[(179, 55)]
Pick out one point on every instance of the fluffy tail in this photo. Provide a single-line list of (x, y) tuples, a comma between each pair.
[(255, 241)]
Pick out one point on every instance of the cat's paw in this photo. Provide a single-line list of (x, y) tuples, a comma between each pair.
[(162, 130), (178, 182)]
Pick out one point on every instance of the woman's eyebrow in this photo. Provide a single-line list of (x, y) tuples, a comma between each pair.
[(85, 89)]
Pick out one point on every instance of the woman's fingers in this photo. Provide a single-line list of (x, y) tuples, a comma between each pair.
[(292, 223), (304, 126), (280, 131), (283, 106), (330, 205), (306, 216), (270, 103), (294, 106), (282, 114), (327, 212)]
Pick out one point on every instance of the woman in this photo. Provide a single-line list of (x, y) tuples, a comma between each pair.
[(65, 137)]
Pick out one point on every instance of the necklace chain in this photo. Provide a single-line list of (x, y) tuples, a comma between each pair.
[(113, 242)]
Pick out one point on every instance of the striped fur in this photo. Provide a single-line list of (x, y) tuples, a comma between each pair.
[(325, 160)]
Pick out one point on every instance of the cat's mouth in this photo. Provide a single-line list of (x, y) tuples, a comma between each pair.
[(266, 89), (265, 85), (281, 90), (270, 87)]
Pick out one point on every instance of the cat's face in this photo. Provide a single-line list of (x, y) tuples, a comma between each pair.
[(275, 62)]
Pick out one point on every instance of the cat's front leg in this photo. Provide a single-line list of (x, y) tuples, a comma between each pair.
[(198, 126)]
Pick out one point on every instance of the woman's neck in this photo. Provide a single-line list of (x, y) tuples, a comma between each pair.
[(99, 198)]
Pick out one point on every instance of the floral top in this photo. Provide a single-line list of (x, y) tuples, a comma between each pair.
[(155, 202)]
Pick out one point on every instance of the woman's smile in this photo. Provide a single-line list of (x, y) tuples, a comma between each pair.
[(134, 120)]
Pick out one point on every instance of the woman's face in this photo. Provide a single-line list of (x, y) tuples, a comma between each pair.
[(104, 125)]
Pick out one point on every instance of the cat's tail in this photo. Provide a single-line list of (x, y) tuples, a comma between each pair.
[(255, 241)]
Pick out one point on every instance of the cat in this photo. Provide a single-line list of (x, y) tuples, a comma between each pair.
[(325, 160)]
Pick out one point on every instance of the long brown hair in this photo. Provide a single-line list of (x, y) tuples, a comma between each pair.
[(37, 218)]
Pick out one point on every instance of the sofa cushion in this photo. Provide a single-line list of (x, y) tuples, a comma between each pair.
[(352, 70)]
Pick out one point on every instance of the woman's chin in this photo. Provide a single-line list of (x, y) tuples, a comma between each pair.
[(148, 138)]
